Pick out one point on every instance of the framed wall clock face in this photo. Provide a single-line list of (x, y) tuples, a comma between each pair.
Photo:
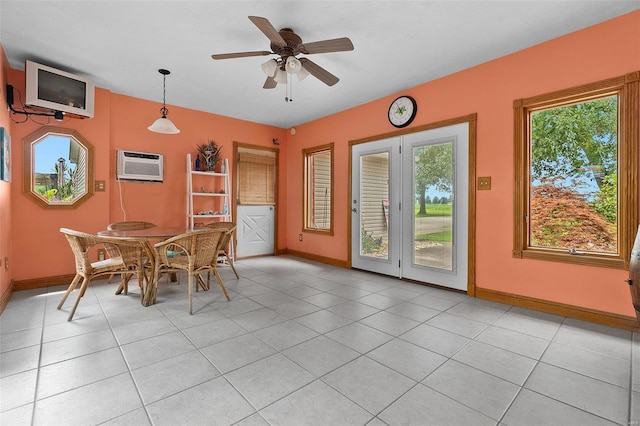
[(402, 111)]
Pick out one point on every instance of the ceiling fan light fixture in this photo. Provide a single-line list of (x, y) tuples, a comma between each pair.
[(287, 44), (293, 65), (270, 67), (281, 77), (163, 124), (302, 74)]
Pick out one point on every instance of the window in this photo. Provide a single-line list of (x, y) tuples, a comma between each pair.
[(58, 169), (576, 171), (318, 189)]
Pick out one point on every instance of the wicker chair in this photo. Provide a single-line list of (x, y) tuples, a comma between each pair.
[(130, 225), (119, 263), (224, 250), (199, 251)]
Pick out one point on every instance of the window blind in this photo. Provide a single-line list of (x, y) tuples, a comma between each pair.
[(257, 179)]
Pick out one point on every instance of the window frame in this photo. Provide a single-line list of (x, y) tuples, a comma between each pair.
[(307, 198), (29, 166), (626, 87)]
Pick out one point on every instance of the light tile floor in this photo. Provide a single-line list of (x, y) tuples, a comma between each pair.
[(302, 343)]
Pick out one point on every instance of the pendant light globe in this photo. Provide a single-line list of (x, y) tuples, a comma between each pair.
[(163, 124)]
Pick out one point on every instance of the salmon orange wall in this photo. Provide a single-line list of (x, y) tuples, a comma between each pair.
[(589, 55), (120, 122), (30, 234), (164, 203), (5, 189)]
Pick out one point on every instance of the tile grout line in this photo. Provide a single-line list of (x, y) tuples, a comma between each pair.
[(539, 361), (35, 389), (629, 419), (135, 384)]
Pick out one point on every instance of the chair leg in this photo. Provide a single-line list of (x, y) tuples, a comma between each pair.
[(126, 278), (141, 283), (232, 267), (124, 284), (219, 279), (190, 283), (71, 287), (85, 283), (201, 283), (120, 286)]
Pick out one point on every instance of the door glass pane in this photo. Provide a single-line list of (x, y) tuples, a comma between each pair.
[(434, 206), (374, 205)]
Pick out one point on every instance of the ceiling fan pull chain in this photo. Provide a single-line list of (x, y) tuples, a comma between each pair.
[(288, 89), (286, 92)]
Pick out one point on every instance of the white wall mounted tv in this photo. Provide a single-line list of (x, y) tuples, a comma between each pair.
[(58, 90)]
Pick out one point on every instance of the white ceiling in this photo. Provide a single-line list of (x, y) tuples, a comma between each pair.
[(398, 45)]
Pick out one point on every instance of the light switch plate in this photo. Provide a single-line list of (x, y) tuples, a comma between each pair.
[(484, 182), (100, 186)]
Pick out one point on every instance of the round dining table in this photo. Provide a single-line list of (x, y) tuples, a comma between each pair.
[(146, 238)]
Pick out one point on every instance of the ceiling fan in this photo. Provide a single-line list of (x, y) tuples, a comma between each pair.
[(287, 45)]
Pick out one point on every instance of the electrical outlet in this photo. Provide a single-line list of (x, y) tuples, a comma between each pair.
[(101, 254), (100, 186), (299, 237)]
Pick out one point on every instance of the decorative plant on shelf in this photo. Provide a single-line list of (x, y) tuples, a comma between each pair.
[(210, 155)]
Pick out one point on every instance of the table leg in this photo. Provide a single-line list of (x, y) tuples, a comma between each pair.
[(150, 284)]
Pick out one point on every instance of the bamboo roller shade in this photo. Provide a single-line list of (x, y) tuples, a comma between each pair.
[(257, 179)]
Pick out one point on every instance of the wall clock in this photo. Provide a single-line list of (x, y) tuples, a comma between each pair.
[(402, 111)]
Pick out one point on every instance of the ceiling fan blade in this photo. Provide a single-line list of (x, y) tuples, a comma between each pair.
[(240, 54), (269, 83), (265, 26), (318, 72), (327, 46)]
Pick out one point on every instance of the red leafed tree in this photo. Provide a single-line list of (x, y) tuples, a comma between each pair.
[(562, 218)]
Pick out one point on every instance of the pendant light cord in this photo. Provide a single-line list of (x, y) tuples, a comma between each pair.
[(164, 111)]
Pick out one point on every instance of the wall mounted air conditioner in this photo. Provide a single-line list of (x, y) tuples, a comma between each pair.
[(139, 166)]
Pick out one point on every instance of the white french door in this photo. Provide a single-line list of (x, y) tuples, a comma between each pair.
[(410, 206), (375, 219)]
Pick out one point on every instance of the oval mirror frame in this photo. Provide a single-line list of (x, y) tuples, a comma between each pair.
[(84, 149)]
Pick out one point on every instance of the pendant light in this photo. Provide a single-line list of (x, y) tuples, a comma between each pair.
[(163, 124)]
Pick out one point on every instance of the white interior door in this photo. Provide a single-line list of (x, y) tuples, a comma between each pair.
[(255, 230), (397, 228)]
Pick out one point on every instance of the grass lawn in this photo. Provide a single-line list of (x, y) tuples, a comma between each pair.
[(435, 210), (441, 237)]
